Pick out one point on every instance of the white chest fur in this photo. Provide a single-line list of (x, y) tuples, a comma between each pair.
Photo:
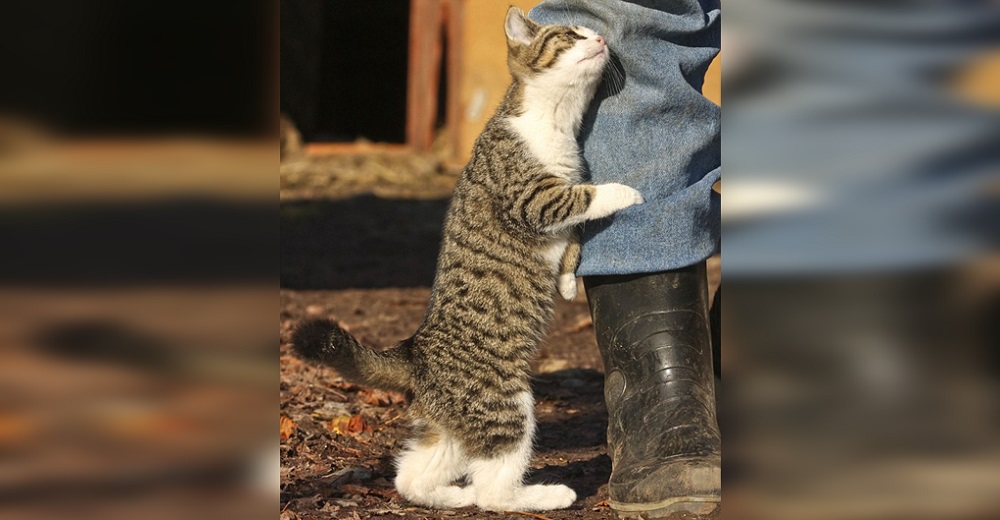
[(549, 123), (557, 151)]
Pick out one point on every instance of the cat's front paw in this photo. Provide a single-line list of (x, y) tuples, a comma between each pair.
[(609, 198), (567, 286)]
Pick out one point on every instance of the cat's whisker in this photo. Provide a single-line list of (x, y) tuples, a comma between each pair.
[(614, 77)]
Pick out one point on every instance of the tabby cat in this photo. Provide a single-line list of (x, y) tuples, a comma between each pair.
[(505, 243)]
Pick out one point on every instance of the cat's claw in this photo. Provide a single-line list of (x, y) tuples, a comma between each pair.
[(567, 286)]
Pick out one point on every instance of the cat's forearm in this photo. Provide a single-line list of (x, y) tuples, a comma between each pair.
[(552, 205), (601, 201)]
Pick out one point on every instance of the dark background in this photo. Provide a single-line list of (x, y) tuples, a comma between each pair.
[(126, 67), (343, 68)]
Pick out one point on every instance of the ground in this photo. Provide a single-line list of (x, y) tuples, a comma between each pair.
[(359, 239)]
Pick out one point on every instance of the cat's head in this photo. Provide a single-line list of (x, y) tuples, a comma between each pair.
[(559, 54)]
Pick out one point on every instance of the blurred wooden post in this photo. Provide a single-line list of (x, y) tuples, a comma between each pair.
[(476, 69), (426, 19), (455, 21)]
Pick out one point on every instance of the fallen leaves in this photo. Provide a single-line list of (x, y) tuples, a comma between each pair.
[(349, 425), (329, 410), (547, 366), (524, 513), (344, 385), (376, 397), (286, 428), (15, 428), (354, 489), (581, 325)]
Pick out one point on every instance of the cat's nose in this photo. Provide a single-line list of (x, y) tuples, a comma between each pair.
[(600, 40)]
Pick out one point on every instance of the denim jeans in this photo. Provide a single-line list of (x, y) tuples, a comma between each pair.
[(649, 127), (852, 114)]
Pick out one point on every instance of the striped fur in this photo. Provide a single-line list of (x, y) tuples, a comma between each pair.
[(506, 240)]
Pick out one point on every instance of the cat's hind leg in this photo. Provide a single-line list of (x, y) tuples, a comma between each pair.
[(427, 470), (498, 481), (567, 266)]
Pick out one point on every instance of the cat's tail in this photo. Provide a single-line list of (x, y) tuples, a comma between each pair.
[(326, 342)]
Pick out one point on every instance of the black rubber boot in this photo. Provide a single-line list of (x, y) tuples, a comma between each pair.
[(663, 435)]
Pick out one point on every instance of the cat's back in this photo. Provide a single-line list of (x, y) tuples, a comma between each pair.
[(491, 284), (500, 157)]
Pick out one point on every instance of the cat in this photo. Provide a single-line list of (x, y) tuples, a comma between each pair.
[(507, 247)]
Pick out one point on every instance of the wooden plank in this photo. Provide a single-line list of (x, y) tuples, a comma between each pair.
[(423, 73), (454, 24)]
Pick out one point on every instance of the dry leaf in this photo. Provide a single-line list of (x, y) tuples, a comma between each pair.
[(599, 505), (344, 385), (377, 397), (15, 428), (357, 424), (354, 489), (347, 424), (339, 425), (286, 427), (547, 366)]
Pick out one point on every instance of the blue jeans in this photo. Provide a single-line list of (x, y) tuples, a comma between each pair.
[(650, 128), (886, 164)]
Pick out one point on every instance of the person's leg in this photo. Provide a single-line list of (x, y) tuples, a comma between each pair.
[(663, 436)]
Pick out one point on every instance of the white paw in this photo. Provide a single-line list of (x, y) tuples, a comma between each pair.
[(529, 498), (452, 497), (440, 497), (546, 498), (567, 286), (610, 198)]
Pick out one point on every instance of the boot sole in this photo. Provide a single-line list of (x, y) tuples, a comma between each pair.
[(697, 505)]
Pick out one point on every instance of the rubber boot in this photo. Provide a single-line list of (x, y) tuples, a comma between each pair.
[(663, 435)]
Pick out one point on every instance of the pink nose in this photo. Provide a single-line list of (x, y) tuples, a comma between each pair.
[(600, 40)]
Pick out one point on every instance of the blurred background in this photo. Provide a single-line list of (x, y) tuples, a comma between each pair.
[(860, 257), (138, 230)]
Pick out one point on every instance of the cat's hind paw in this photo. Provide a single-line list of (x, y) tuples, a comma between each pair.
[(527, 498), (547, 497), (567, 286)]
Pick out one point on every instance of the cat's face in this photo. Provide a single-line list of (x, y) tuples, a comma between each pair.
[(568, 55)]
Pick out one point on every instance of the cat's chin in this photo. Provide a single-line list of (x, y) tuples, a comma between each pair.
[(601, 53)]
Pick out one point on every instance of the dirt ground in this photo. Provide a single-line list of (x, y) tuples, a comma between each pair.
[(359, 238)]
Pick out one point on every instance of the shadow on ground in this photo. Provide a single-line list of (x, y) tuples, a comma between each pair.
[(360, 242)]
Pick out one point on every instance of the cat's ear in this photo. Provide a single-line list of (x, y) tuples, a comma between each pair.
[(519, 28)]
